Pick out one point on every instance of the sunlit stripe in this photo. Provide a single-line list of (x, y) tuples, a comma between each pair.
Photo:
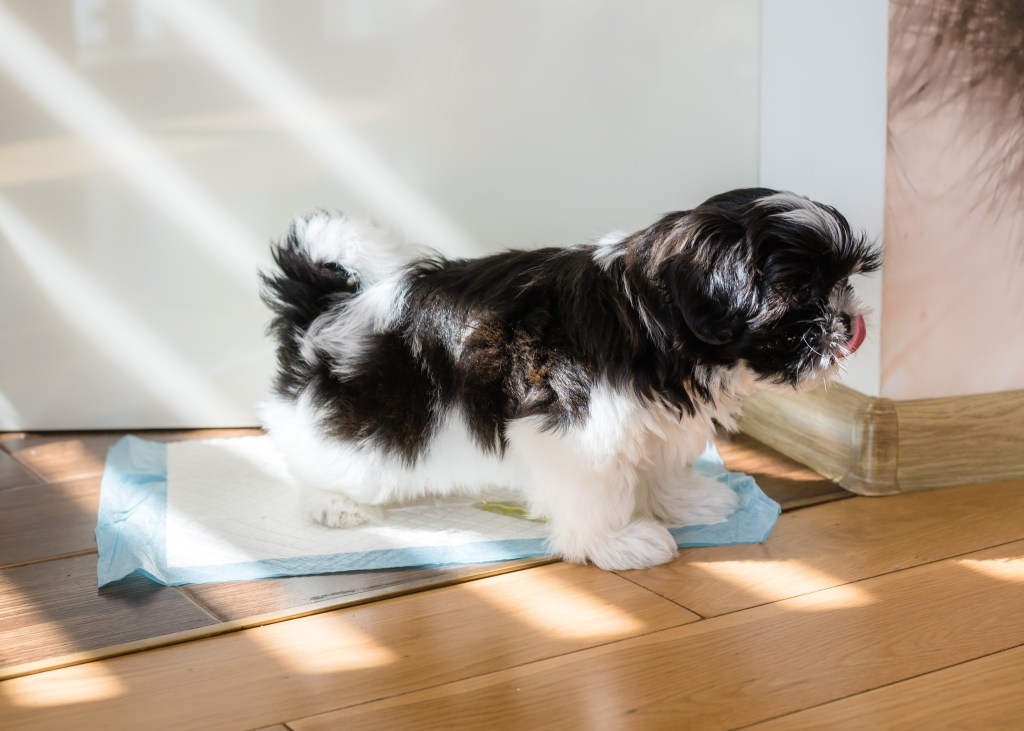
[(1002, 569), (43, 76), (556, 607), (284, 97), (69, 686), (325, 643), (812, 588), (127, 342)]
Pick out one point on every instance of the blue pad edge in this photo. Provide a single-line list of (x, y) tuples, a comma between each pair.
[(130, 530)]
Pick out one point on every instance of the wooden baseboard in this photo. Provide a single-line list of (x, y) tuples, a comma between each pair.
[(877, 446)]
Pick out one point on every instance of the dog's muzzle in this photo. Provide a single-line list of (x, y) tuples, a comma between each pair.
[(857, 334)]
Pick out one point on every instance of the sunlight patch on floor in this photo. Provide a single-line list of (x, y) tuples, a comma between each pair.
[(773, 581), (36, 456), (321, 644), (79, 684), (847, 596), (558, 608), (1004, 569)]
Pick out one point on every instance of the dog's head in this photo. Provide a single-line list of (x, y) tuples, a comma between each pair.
[(761, 276)]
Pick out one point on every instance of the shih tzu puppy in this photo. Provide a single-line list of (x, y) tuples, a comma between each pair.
[(588, 379)]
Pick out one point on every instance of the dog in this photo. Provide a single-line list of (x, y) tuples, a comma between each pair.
[(586, 379)]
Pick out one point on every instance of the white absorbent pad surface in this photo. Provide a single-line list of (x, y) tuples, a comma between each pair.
[(225, 509)]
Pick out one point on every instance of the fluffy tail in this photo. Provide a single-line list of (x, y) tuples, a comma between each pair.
[(324, 260)]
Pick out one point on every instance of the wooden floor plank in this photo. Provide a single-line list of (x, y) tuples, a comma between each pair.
[(13, 473), (59, 520), (740, 668), (563, 645), (61, 458), (309, 665), (240, 599), (54, 608), (827, 545), (46, 521), (981, 694)]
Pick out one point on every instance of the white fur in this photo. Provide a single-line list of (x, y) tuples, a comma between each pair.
[(803, 211), (609, 487), (832, 348), (607, 249), (361, 247), (376, 309), (450, 465), (357, 245)]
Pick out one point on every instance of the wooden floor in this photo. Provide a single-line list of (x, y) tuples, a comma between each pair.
[(898, 612), (51, 612)]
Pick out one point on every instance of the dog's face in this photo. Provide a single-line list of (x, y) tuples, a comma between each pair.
[(764, 278)]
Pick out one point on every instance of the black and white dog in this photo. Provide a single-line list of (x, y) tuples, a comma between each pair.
[(587, 378)]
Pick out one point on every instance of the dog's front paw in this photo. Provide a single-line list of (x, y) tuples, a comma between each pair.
[(699, 500), (638, 545), (335, 510)]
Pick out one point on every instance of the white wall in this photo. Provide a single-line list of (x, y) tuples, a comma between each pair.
[(149, 151), (823, 125)]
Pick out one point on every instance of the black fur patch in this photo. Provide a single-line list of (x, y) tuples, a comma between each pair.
[(298, 292)]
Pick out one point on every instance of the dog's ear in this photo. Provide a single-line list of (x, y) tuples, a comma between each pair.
[(708, 290)]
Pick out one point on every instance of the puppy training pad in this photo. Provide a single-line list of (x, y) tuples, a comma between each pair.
[(224, 510)]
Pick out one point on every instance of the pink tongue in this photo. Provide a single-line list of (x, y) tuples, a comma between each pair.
[(859, 333)]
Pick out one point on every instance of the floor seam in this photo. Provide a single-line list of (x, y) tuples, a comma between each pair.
[(881, 687), (455, 681), (612, 643), (658, 594), (862, 579), (47, 559), (42, 478), (202, 605)]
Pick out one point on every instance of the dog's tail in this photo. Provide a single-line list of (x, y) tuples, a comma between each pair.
[(324, 260)]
